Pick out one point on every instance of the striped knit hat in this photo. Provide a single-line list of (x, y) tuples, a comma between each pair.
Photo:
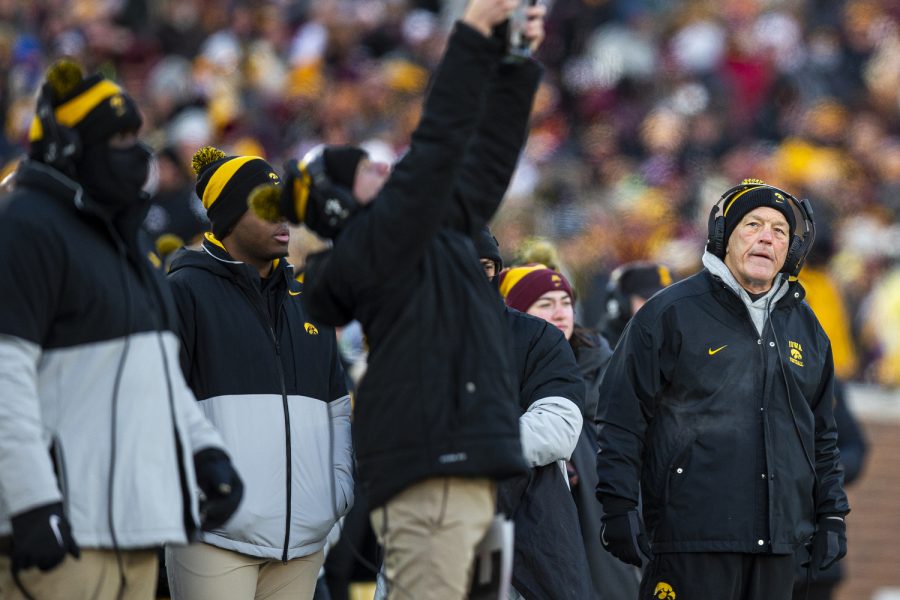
[(755, 195), (522, 286), (96, 108), (225, 183)]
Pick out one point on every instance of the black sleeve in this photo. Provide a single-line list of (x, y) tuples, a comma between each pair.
[(493, 152), (411, 207), (830, 496), (186, 323), (328, 294), (32, 262), (551, 370), (628, 392)]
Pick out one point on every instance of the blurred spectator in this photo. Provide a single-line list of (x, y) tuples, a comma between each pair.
[(175, 217), (647, 105), (630, 286)]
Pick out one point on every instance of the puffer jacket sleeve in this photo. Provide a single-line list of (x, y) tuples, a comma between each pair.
[(28, 260), (340, 409), (187, 333), (627, 396), (553, 394), (200, 432)]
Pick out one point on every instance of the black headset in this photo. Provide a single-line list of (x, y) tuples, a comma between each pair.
[(618, 304), (60, 146), (801, 241), (326, 206)]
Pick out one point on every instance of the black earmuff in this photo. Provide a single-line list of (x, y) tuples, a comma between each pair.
[(617, 309), (329, 204), (801, 241), (60, 146)]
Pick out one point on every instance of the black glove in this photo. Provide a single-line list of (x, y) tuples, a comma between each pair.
[(41, 537), (221, 486), (623, 534), (829, 544)]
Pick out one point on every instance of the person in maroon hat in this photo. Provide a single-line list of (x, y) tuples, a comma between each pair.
[(547, 294)]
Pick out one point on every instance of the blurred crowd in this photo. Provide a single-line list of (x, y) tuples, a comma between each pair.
[(648, 110)]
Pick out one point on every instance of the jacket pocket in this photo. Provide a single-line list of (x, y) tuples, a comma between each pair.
[(677, 470)]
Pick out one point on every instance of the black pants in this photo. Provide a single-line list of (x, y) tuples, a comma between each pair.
[(718, 576)]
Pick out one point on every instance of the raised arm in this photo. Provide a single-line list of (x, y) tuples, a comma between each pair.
[(413, 203), (493, 152)]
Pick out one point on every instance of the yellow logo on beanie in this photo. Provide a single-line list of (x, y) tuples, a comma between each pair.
[(311, 329), (118, 104), (664, 591)]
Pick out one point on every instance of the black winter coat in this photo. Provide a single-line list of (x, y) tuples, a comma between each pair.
[(438, 398), (549, 561), (720, 426), (272, 382), (612, 579)]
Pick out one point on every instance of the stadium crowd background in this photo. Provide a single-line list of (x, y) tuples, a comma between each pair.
[(649, 109)]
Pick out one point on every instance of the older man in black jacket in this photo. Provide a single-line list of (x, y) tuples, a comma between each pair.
[(436, 418), (717, 403)]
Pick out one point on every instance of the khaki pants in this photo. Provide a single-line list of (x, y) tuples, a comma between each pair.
[(204, 572), (95, 576), (429, 532)]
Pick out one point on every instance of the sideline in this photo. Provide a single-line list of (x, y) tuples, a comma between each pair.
[(872, 402)]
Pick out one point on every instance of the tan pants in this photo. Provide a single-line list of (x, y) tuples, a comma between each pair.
[(204, 572), (95, 576), (429, 532)]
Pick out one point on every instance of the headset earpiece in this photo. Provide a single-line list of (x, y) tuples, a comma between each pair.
[(618, 304), (60, 146), (715, 238), (329, 205)]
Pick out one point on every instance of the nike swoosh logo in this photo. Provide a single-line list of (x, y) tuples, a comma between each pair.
[(711, 351), (293, 293), (54, 527)]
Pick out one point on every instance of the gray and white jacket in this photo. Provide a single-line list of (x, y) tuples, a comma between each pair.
[(271, 380), (94, 411)]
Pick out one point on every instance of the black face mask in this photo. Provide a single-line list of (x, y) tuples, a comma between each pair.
[(114, 177)]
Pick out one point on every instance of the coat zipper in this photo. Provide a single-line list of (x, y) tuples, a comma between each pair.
[(287, 415)]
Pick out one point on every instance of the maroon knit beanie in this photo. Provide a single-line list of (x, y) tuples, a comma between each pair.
[(522, 286)]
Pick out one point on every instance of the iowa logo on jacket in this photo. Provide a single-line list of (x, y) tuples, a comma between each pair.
[(310, 328), (796, 353), (663, 591)]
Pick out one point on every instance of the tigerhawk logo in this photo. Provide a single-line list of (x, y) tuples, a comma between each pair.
[(779, 198), (664, 591), (118, 104), (796, 351), (311, 329)]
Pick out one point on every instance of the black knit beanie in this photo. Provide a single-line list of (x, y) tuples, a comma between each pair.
[(224, 184), (744, 201), (341, 163)]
